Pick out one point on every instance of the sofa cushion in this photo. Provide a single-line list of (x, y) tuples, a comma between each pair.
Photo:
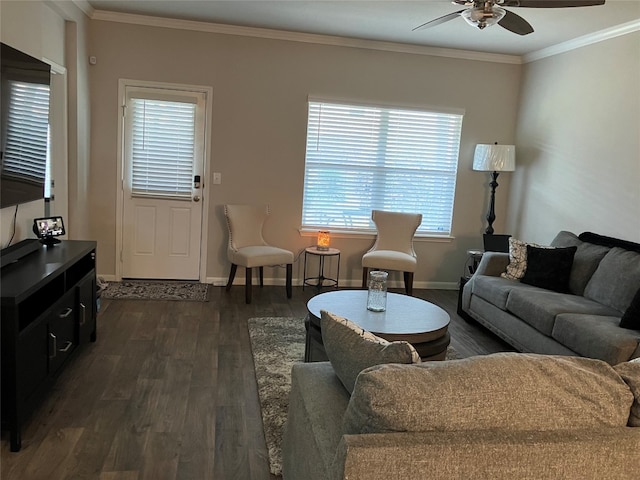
[(616, 280), (508, 391), (517, 259), (630, 373), (585, 261), (495, 289), (631, 317), (596, 336), (549, 268), (351, 349), (539, 307)]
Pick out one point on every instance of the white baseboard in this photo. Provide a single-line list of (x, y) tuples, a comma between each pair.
[(108, 278), (297, 282)]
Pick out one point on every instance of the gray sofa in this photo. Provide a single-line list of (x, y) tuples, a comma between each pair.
[(574, 418), (585, 321)]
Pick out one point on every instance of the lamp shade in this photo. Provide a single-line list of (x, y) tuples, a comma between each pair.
[(494, 158)]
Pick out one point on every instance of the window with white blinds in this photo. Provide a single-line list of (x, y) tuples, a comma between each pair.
[(27, 134), (162, 134), (361, 158)]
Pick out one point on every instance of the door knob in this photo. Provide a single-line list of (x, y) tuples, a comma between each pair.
[(196, 198)]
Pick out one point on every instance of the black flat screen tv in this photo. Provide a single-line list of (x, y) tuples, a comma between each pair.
[(24, 126)]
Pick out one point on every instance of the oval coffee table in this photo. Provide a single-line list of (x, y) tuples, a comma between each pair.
[(411, 319)]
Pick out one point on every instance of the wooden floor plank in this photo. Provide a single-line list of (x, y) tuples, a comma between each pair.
[(168, 392), (197, 448), (54, 457)]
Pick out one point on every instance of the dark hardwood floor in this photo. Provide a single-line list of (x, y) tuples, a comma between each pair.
[(168, 392)]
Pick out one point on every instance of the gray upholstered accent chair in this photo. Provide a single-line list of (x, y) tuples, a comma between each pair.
[(248, 248), (393, 248)]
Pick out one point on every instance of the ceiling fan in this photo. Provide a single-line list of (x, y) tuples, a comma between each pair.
[(483, 14)]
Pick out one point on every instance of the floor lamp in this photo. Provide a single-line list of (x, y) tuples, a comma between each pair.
[(495, 159)]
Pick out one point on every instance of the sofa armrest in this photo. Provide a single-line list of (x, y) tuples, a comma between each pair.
[(493, 264), (499, 455)]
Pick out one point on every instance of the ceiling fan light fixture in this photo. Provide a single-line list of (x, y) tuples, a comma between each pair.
[(481, 17)]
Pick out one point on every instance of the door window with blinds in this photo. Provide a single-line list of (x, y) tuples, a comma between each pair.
[(162, 140), (361, 158)]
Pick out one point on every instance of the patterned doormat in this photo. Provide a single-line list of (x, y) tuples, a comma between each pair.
[(277, 343), (157, 290)]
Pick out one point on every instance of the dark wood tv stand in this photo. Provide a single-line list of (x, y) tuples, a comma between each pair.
[(48, 312)]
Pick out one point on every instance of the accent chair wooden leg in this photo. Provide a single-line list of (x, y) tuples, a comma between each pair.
[(247, 285), (289, 275), (261, 277), (408, 282), (232, 275), (365, 276)]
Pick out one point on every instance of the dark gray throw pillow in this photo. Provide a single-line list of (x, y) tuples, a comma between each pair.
[(631, 317), (549, 268)]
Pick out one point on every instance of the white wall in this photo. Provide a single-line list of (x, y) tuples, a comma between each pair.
[(578, 138), (259, 122)]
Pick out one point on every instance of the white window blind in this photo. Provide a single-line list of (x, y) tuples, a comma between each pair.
[(162, 147), (27, 134), (360, 158)]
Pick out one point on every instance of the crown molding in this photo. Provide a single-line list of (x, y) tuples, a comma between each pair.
[(583, 41), (301, 37), (85, 6), (338, 41)]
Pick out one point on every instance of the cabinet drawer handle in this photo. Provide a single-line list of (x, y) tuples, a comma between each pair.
[(83, 319), (65, 313), (55, 346), (67, 347)]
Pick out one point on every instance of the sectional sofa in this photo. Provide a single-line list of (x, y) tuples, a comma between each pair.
[(573, 419), (581, 317)]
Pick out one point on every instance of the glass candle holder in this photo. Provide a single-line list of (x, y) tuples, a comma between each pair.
[(324, 239), (377, 297)]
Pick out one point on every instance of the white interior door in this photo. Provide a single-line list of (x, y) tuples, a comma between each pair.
[(164, 132)]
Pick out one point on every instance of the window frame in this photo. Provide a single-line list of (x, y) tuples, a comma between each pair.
[(311, 229), (195, 99)]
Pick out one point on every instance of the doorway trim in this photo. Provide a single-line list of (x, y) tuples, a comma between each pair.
[(208, 92)]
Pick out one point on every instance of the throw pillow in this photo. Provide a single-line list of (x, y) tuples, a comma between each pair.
[(630, 373), (631, 317), (351, 349), (510, 391), (585, 261), (565, 239), (517, 259), (549, 268)]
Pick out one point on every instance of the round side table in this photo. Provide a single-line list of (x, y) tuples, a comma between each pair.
[(320, 280)]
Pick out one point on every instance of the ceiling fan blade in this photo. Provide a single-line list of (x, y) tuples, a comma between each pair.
[(438, 21), (551, 3), (515, 23)]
